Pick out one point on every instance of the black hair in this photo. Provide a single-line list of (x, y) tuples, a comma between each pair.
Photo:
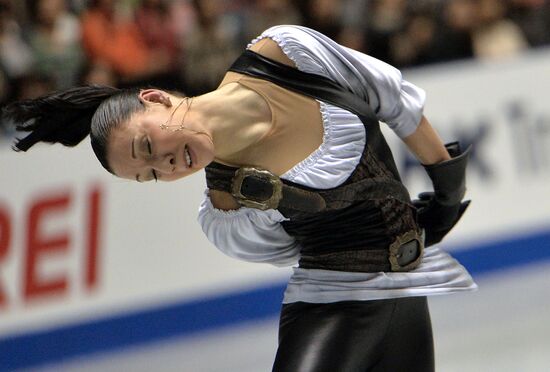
[(68, 116)]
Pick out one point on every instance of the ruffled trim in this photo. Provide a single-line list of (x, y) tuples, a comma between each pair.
[(344, 135), (309, 162), (292, 50), (335, 160)]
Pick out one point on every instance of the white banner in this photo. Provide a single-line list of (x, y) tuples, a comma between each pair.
[(502, 110), (77, 243)]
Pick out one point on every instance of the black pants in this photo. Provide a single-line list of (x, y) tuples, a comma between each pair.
[(356, 336)]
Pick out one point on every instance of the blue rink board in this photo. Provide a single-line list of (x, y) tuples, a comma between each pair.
[(186, 318)]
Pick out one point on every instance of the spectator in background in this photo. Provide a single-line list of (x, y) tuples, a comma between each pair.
[(324, 16), (496, 36), (160, 34), (182, 19), (414, 45), (208, 50), (19, 11), (28, 86), (153, 21), (16, 57), (98, 73), (263, 14), (77, 6), (55, 38), (454, 36), (4, 89), (385, 18), (352, 37), (111, 36), (533, 17), (34, 85), (163, 42)]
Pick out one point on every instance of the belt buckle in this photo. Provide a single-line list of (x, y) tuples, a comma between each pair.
[(276, 184), (396, 251)]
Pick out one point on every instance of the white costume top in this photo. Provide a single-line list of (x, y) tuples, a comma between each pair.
[(257, 236)]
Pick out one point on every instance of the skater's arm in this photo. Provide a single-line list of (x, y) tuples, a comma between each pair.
[(426, 144)]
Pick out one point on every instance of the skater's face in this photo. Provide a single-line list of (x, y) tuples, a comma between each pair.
[(142, 150)]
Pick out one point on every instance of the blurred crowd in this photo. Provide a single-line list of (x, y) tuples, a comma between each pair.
[(188, 44)]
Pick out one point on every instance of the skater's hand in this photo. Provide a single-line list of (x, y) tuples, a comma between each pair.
[(435, 218)]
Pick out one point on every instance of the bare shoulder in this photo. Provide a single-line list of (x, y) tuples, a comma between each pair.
[(223, 200), (270, 49)]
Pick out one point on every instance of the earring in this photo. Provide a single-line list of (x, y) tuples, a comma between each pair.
[(189, 102)]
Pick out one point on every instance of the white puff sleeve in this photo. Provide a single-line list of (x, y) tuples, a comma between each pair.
[(249, 234), (394, 100)]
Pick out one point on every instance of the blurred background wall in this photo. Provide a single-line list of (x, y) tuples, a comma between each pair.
[(102, 274)]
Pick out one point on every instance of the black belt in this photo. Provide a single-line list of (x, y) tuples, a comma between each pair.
[(261, 189), (404, 254)]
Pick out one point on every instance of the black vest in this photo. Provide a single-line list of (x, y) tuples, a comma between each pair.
[(367, 224)]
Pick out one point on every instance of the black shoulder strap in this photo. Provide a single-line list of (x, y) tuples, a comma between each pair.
[(322, 88), (253, 186), (312, 85)]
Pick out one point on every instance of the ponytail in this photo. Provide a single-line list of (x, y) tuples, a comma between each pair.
[(59, 117), (68, 116)]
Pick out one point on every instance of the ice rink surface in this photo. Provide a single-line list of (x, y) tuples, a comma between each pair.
[(504, 327)]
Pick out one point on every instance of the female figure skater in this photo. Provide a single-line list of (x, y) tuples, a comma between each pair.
[(297, 173)]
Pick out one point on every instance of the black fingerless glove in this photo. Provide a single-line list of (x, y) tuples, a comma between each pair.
[(440, 210)]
